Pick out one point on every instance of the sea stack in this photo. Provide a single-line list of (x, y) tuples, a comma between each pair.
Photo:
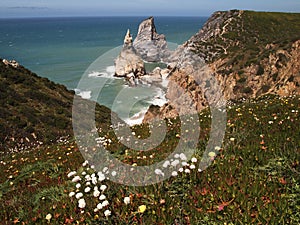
[(149, 44), (129, 63)]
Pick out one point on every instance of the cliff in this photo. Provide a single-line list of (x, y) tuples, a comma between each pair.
[(249, 53), (252, 53)]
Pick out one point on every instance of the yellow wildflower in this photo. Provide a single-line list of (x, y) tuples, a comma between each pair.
[(142, 208)]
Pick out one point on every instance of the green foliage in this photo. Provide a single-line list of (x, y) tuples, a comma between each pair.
[(33, 105), (242, 80), (247, 90), (52, 194), (253, 180), (245, 36)]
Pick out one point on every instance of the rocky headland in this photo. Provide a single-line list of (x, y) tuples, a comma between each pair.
[(248, 53)]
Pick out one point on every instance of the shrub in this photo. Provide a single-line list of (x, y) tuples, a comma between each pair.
[(247, 90)]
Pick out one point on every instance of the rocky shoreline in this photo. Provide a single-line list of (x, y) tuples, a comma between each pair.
[(244, 66)]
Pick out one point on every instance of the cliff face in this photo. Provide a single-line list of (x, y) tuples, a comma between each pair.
[(251, 53), (248, 53)]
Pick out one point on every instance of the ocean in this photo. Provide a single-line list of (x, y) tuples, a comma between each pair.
[(65, 50)]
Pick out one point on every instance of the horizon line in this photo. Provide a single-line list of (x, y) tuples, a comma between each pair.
[(104, 16)]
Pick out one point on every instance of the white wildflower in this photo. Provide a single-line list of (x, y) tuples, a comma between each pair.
[(71, 174), (72, 194), (174, 174), (96, 193), (107, 213), (113, 173), (85, 163), (87, 189), (184, 164), (126, 200), (101, 176), (88, 178), (217, 148), (183, 157), (175, 163), (187, 171), (79, 195), (81, 203), (102, 197), (166, 164), (76, 179), (194, 160), (99, 206), (159, 172), (48, 217), (105, 203), (103, 187), (94, 180)]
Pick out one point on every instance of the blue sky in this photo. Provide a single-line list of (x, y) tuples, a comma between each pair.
[(38, 8)]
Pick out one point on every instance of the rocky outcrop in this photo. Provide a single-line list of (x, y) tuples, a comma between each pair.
[(149, 44), (158, 77), (12, 63), (129, 63), (247, 57)]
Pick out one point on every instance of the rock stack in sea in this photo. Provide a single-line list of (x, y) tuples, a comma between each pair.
[(129, 63), (149, 44)]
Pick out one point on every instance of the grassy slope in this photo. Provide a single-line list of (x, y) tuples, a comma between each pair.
[(258, 30), (34, 109), (254, 179), (246, 37)]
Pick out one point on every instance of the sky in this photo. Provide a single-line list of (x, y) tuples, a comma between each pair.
[(55, 8)]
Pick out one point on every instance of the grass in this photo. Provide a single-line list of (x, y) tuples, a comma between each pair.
[(253, 180), (35, 110), (247, 36)]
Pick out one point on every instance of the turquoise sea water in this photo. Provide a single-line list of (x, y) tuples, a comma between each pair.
[(62, 49)]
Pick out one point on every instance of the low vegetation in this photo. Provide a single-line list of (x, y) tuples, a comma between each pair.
[(35, 110), (253, 180)]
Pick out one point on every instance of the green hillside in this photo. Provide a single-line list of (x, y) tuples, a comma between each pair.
[(35, 110), (245, 35)]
